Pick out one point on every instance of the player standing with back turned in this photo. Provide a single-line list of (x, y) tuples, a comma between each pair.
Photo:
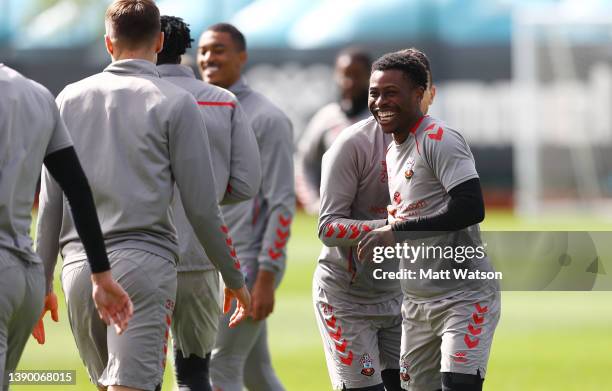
[(448, 326), (138, 135), (237, 170), (260, 228), (32, 132)]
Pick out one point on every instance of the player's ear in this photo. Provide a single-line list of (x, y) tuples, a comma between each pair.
[(159, 42), (432, 94), (243, 56), (420, 93), (109, 45)]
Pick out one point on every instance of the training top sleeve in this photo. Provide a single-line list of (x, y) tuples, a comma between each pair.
[(340, 175), (449, 156), (277, 189), (245, 162), (66, 169), (60, 138), (190, 159), (48, 225)]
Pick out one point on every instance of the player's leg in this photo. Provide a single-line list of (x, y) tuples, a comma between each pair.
[(420, 350), (27, 313), (350, 342), (192, 372), (137, 358), (12, 294), (389, 343), (258, 372), (194, 327), (231, 351), (233, 346), (88, 330), (469, 323)]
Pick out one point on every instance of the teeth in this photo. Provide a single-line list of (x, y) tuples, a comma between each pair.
[(385, 114)]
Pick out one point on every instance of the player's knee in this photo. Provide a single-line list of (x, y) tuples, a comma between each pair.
[(391, 379), (192, 372), (452, 381), (377, 387)]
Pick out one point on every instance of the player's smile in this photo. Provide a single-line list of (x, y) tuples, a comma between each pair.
[(386, 117), (209, 69)]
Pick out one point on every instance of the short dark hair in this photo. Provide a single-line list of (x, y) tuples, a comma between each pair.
[(357, 54), (411, 66), (235, 34), (423, 58), (133, 22), (177, 40)]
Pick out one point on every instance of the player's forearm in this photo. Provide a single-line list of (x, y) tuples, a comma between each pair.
[(273, 254), (66, 169), (243, 187), (204, 215), (345, 232), (465, 208)]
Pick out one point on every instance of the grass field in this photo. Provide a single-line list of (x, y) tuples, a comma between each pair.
[(545, 340)]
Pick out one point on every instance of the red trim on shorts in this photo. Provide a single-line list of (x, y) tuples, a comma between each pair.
[(208, 103)]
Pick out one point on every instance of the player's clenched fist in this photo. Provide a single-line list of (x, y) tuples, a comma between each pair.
[(50, 305), (112, 302), (243, 304)]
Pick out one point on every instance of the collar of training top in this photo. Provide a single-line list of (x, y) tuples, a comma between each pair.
[(239, 86), (133, 67), (169, 70)]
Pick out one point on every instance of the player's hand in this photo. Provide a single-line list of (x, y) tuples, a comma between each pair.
[(50, 304), (243, 305), (380, 237), (263, 295), (112, 302)]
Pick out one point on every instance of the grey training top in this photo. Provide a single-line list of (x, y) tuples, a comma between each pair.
[(137, 134), (30, 129), (234, 153), (354, 196), (260, 227), (422, 170)]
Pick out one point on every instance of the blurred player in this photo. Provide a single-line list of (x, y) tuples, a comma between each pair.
[(352, 75), (359, 318), (32, 131), (260, 228), (237, 171), (448, 324), (138, 134)]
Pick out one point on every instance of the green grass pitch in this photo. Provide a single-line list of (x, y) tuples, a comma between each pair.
[(545, 340)]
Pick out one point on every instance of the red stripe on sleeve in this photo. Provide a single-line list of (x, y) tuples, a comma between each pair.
[(230, 104)]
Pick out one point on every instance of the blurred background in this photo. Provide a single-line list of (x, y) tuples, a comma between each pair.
[(527, 82)]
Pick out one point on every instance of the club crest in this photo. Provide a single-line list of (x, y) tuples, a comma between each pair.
[(366, 363), (408, 174)]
